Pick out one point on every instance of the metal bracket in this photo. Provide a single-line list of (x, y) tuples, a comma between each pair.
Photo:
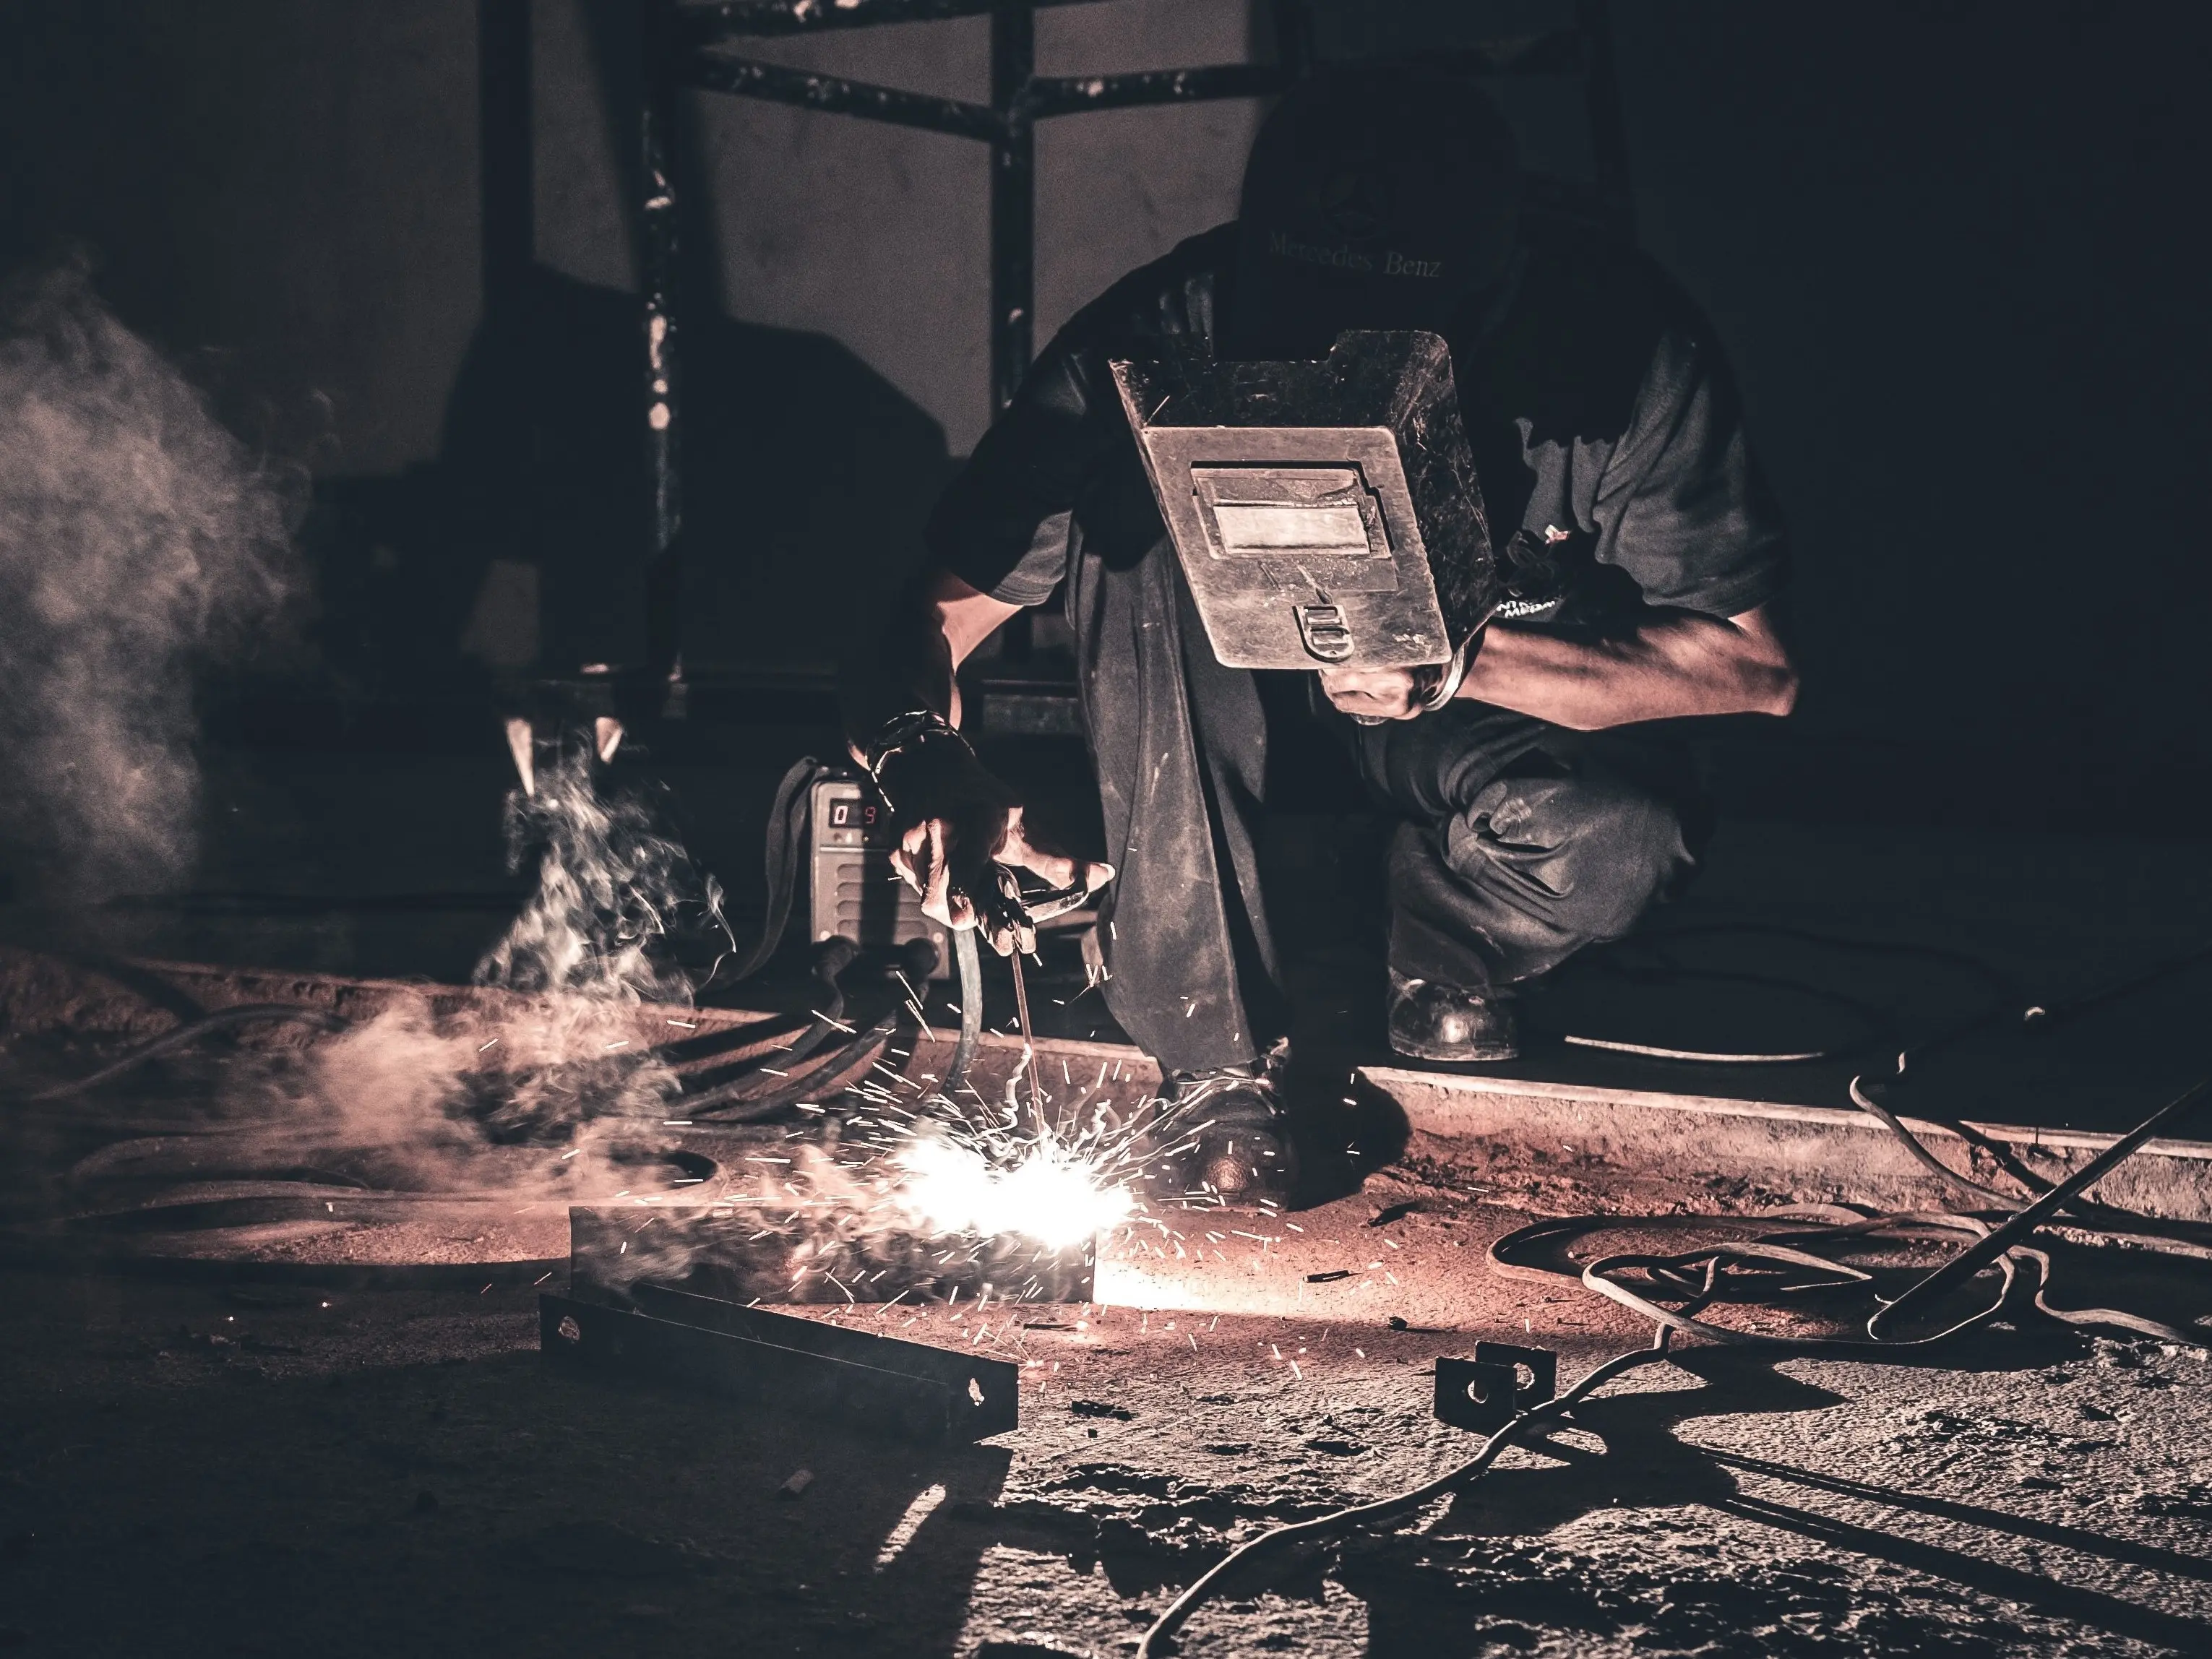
[(1485, 1392), (910, 1390)]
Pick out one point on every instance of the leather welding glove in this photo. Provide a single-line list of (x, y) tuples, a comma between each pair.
[(959, 829)]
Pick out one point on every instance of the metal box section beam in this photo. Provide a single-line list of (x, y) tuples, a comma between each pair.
[(746, 1252), (909, 1389)]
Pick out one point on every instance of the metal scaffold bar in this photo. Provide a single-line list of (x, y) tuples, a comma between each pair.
[(777, 83), (657, 277), (702, 24), (1013, 201)]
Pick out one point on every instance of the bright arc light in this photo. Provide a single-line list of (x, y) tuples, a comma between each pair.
[(1049, 1195)]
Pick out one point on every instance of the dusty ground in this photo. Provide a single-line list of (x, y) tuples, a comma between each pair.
[(192, 1469)]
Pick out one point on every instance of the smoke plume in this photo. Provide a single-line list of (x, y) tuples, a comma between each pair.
[(551, 1079), (611, 892), (137, 538)]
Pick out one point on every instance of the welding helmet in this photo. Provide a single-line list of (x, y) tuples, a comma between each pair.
[(1374, 198)]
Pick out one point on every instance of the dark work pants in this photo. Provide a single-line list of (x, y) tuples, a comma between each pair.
[(1522, 842)]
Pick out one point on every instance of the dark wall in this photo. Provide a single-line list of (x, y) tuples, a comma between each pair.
[(1954, 251), (284, 190), (1957, 252)]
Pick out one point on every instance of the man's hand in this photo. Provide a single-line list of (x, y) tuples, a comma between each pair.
[(958, 827), (1373, 694)]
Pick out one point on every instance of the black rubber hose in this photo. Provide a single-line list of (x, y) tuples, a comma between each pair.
[(1913, 1143), (783, 847), (731, 1107), (1328, 1526), (831, 958), (1977, 1256), (971, 1010), (247, 1013)]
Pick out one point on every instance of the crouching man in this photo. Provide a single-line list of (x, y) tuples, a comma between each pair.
[(1642, 546)]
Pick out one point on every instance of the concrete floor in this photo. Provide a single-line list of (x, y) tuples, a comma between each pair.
[(256, 1470)]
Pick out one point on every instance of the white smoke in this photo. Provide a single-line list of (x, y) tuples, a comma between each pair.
[(551, 1073), (137, 538), (610, 891)]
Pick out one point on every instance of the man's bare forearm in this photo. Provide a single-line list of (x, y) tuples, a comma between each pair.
[(1679, 664), (927, 638)]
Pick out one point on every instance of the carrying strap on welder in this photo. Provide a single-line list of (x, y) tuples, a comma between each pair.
[(785, 847)]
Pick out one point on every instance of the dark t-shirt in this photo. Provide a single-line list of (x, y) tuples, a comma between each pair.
[(1596, 401)]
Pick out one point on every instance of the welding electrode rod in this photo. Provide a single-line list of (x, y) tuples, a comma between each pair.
[(1029, 1040), (1971, 1262)]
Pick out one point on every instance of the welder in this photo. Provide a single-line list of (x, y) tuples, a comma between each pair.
[(1537, 810)]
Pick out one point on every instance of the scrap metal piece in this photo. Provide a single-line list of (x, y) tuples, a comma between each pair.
[(1484, 1394), (746, 1254), (910, 1390), (1324, 512)]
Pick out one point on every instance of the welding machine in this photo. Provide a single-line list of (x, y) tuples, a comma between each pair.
[(853, 892), (1326, 513)]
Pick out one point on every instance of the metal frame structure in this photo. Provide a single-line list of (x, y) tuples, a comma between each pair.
[(685, 46)]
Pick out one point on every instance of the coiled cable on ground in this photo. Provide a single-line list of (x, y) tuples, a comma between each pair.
[(190, 1032), (1324, 1527), (1697, 1278)]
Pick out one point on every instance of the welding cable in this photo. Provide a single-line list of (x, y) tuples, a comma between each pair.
[(1675, 971), (1324, 1527), (1700, 1273), (2035, 1017), (1999, 1242), (2002, 1246), (1697, 1276), (732, 1105), (246, 1013), (2042, 1018), (2116, 1318), (825, 1014), (2003, 994), (1919, 1148), (971, 1010), (1699, 1056)]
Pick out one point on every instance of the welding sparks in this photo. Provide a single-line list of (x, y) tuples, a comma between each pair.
[(1047, 1192)]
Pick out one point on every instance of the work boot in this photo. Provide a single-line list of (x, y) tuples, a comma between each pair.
[(1430, 1020), (1224, 1135)]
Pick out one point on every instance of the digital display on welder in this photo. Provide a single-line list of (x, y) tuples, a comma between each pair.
[(851, 814)]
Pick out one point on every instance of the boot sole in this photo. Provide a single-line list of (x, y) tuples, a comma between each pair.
[(1464, 1054)]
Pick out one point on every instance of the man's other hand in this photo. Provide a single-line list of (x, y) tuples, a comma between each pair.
[(1372, 694)]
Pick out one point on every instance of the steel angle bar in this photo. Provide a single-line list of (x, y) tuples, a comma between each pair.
[(1073, 94), (910, 1390), (747, 77), (259, 1204), (730, 18), (1561, 52)]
